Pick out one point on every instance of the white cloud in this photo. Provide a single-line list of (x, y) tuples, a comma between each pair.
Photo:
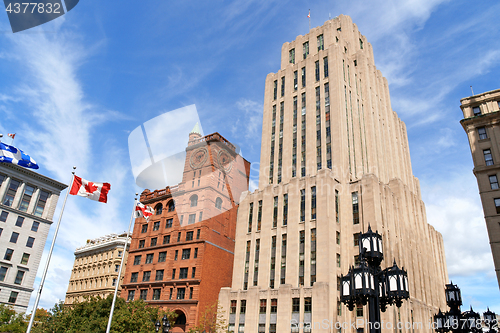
[(252, 118)]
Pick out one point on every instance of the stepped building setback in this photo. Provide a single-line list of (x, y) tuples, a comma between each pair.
[(28, 201), (482, 124), (334, 160), (96, 267)]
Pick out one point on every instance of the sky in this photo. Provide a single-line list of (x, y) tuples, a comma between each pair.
[(75, 88)]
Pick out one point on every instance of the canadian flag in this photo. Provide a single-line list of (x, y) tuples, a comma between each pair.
[(11, 135), (142, 210), (94, 191)]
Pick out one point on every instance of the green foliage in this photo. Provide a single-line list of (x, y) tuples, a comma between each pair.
[(10, 321), (91, 316), (211, 321)]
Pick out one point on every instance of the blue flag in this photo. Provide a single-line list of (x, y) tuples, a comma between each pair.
[(10, 154)]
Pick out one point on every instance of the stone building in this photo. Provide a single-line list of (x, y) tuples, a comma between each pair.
[(28, 201), (482, 124), (182, 257), (334, 160), (96, 267)]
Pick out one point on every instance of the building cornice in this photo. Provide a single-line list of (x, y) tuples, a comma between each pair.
[(34, 175)]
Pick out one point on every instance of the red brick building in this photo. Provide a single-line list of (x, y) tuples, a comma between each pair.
[(183, 256)]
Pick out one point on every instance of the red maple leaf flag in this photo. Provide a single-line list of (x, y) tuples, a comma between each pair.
[(91, 190), (142, 210)]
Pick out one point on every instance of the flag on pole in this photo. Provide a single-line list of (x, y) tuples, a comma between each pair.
[(10, 135), (91, 190), (309, 15), (142, 210), (11, 154)]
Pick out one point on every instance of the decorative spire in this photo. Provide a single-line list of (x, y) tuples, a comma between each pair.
[(196, 129)]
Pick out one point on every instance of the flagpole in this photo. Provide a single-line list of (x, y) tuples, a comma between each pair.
[(37, 299), (121, 266), (309, 19)]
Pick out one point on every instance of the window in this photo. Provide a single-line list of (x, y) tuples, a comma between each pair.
[(1, 229), (338, 260), (325, 66), (482, 133), (250, 217), (25, 201), (282, 86), (476, 110), (295, 304), (117, 267), (313, 203), (263, 306), (316, 70), (162, 256), (114, 282), (156, 226), (142, 243), (146, 276), (183, 273), (307, 304), (11, 192), (13, 237), (357, 261), (181, 293), (243, 306), (497, 205), (179, 236), (131, 295), (137, 260), (195, 255), (218, 203), (275, 212), (186, 253), (193, 272), (34, 226), (25, 258), (173, 273), (192, 218), (338, 238), (171, 206), (194, 200), (305, 49), (8, 254), (356, 239), (337, 206), (144, 228), (171, 291), (166, 239), (3, 272), (303, 76), (259, 216), (3, 216), (176, 254), (119, 254), (159, 275), (134, 277), (275, 90), (198, 233), (168, 224), (295, 80), (19, 222), (291, 56), (13, 296), (158, 209), (302, 205), (355, 208), (156, 294), (274, 305), (42, 200), (232, 309), (149, 258), (493, 182), (144, 294), (359, 311), (488, 158), (189, 235)]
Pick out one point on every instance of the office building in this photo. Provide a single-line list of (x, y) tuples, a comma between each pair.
[(96, 267), (334, 160), (28, 201), (482, 124)]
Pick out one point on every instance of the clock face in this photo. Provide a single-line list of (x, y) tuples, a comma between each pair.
[(224, 160), (198, 158)]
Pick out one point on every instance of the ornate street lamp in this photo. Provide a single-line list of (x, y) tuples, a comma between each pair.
[(490, 320), (368, 283), (166, 325), (439, 321), (453, 296), (472, 321)]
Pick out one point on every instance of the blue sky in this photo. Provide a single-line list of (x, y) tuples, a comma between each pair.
[(74, 88)]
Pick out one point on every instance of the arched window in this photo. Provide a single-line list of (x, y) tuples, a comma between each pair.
[(194, 200), (171, 206), (158, 209), (218, 203)]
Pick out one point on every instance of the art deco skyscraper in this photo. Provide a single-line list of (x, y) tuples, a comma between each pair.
[(334, 159), (481, 123)]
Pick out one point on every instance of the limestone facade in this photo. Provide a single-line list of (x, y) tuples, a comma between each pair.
[(96, 267), (334, 159), (482, 124)]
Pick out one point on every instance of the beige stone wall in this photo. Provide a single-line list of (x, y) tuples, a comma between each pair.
[(489, 120)]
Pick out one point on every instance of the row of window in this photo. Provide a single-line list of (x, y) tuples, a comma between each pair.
[(476, 110), (81, 273), (159, 274), (19, 276), (162, 256), (92, 284), (19, 222), (95, 257), (305, 49), (143, 294), (166, 238), (15, 236), (26, 196)]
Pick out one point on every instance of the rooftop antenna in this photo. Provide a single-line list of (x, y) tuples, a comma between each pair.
[(329, 16), (472, 91)]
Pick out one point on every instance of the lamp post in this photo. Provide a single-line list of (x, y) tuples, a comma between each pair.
[(369, 284), (166, 325), (458, 322)]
